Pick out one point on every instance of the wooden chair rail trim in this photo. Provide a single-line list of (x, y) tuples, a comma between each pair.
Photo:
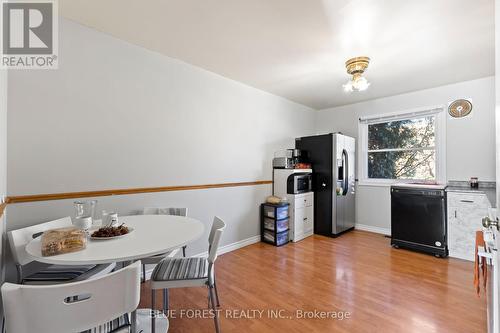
[(103, 193), (2, 208)]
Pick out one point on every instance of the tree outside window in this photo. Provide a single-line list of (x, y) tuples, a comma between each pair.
[(403, 149)]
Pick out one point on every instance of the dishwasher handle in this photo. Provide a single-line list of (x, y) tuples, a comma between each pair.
[(426, 193)]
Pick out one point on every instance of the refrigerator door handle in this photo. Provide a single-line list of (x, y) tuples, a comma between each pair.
[(345, 182)]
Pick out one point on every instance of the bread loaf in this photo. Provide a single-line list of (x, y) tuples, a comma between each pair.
[(63, 240)]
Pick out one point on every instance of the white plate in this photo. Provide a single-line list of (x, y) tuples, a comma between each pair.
[(91, 231)]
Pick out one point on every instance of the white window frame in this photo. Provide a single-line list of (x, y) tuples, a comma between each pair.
[(440, 143)]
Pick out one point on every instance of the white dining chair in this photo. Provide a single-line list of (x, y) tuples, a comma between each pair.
[(153, 260), (86, 306), (18, 239), (190, 272)]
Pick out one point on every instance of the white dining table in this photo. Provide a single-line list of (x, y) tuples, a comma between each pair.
[(151, 235)]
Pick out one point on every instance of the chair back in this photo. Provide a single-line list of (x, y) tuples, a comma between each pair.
[(18, 239), (165, 211), (173, 211), (150, 211), (52, 308), (214, 238)]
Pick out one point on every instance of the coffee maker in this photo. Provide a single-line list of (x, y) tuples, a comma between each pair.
[(287, 159)]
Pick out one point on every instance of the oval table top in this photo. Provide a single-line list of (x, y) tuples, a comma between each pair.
[(152, 235)]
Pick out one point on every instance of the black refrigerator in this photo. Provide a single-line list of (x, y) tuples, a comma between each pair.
[(333, 159)]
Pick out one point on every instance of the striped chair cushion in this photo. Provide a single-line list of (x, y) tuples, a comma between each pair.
[(171, 269), (120, 324), (58, 273)]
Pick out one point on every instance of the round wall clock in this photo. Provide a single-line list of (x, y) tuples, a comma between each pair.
[(460, 108)]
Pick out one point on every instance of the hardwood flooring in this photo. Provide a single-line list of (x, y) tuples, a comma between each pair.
[(383, 289)]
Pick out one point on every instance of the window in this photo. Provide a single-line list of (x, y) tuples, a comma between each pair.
[(402, 147)]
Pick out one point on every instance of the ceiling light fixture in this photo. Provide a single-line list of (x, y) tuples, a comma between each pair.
[(356, 67)]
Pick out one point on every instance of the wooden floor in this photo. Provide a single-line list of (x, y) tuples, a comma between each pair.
[(383, 289)]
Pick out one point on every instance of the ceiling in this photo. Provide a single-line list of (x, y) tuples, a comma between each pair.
[(297, 48)]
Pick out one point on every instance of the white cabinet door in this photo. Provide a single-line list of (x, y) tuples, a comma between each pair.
[(308, 221), (298, 221), (465, 212), (301, 216)]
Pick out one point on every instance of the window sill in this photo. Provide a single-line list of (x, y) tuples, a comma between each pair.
[(375, 184), (387, 183)]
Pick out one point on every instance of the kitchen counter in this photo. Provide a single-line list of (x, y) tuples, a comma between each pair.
[(487, 188)]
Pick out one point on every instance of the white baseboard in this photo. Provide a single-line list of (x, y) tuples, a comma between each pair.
[(223, 249), (461, 256), (233, 246), (377, 230)]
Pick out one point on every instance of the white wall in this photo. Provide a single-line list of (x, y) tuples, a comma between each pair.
[(3, 168), (3, 133), (115, 115), (470, 141), (497, 92)]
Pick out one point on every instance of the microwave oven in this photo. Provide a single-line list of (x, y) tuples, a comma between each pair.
[(299, 183)]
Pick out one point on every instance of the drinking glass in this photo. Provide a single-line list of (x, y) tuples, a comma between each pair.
[(85, 209)]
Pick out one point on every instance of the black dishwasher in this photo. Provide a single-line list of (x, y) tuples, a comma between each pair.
[(418, 218)]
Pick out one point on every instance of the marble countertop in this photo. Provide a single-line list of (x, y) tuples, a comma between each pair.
[(489, 189)]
